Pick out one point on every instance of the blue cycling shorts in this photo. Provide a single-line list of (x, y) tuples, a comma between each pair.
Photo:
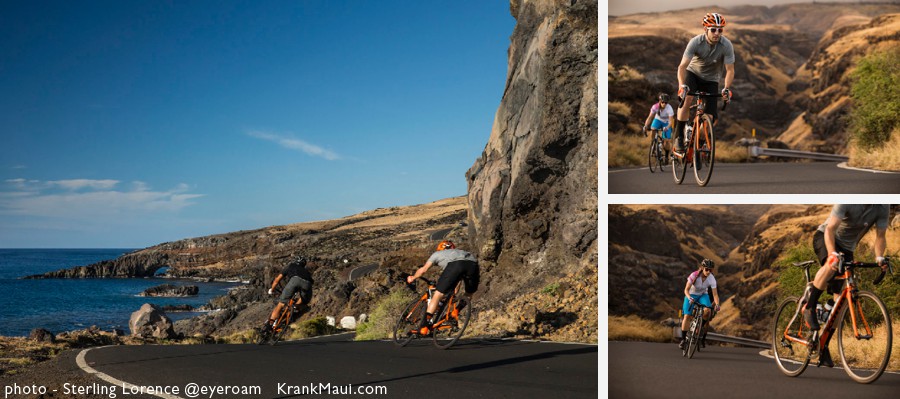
[(704, 300), (666, 130)]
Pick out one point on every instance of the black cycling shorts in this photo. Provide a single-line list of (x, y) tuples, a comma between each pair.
[(293, 285), (696, 84), (465, 270)]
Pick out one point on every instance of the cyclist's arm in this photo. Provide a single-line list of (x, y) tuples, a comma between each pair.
[(275, 282), (729, 75), (420, 272), (880, 242), (649, 118), (716, 296), (687, 289), (682, 70)]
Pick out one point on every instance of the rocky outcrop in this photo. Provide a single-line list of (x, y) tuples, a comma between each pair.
[(171, 290), (533, 192), (139, 264), (42, 335), (150, 322)]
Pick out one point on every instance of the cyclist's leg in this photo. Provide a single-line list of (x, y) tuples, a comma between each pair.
[(684, 112), (471, 278), (704, 300), (685, 321), (289, 289), (711, 103)]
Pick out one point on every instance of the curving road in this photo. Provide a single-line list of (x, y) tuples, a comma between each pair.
[(472, 368), (758, 178), (651, 370)]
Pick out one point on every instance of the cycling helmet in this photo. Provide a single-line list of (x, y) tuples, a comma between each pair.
[(446, 244), (708, 264), (713, 19), (663, 97), (299, 260)]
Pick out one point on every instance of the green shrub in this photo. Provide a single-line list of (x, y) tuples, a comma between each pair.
[(876, 98), (551, 289), (380, 323), (313, 328)]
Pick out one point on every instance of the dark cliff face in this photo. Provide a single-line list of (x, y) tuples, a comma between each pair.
[(533, 192)]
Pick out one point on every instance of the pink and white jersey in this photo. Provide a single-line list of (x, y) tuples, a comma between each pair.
[(699, 285), (664, 114)]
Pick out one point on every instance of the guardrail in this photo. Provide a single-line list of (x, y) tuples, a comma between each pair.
[(757, 151)]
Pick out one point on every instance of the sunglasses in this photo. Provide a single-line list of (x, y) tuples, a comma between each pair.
[(716, 30), (706, 269)]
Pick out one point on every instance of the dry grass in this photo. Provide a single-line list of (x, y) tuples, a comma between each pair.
[(622, 73), (862, 353), (885, 158), (625, 150), (634, 328), (618, 108)]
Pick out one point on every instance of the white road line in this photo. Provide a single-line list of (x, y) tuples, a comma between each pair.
[(110, 379), (843, 165), (626, 170)]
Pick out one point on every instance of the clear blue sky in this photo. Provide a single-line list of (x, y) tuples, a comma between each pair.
[(131, 123)]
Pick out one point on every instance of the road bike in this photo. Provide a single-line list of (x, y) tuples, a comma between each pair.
[(860, 319), (289, 312), (697, 331), (450, 320), (700, 142), (656, 157)]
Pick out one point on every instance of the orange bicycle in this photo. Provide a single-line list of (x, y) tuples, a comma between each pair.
[(450, 321), (291, 311), (861, 319), (700, 143)]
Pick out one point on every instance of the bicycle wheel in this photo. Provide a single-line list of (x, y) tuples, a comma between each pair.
[(696, 326), (262, 336), (408, 321), (446, 335), (679, 167), (652, 159), (792, 357), (283, 325), (660, 156), (704, 151), (866, 349)]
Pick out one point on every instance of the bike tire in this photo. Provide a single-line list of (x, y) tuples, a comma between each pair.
[(792, 358), (407, 321), (660, 156), (876, 316), (282, 326), (262, 336), (696, 327), (704, 151), (679, 167), (462, 321), (652, 160)]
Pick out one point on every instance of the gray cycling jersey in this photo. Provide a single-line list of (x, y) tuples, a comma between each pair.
[(856, 220), (443, 258), (708, 60)]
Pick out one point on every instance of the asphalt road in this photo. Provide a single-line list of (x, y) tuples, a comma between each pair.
[(650, 370), (472, 368), (758, 178)]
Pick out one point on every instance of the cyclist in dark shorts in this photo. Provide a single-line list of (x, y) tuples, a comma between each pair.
[(298, 280), (458, 265), (707, 55), (839, 235)]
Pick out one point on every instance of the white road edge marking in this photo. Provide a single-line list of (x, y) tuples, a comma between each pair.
[(843, 165), (110, 379)]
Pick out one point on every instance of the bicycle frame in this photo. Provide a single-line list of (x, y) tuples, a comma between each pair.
[(449, 303), (845, 298)]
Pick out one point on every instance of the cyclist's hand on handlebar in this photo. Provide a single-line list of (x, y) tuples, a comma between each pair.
[(717, 307), (882, 262), (726, 94), (644, 129), (270, 291), (410, 279)]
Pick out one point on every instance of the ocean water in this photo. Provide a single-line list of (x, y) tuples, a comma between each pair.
[(70, 304)]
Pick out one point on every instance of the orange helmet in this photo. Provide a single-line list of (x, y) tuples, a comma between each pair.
[(713, 19), (446, 244)]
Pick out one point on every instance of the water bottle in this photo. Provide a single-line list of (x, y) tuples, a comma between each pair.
[(430, 295), (820, 311), (687, 132)]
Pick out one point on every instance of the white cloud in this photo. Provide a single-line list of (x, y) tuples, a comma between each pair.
[(77, 184), (84, 199), (296, 144)]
